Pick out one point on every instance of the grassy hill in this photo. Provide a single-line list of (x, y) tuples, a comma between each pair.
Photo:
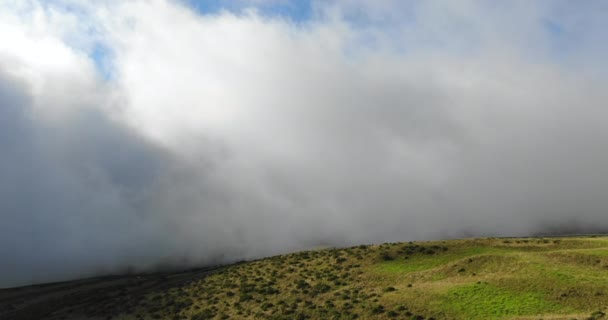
[(494, 278)]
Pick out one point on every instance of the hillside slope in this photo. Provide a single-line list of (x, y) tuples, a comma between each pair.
[(494, 278)]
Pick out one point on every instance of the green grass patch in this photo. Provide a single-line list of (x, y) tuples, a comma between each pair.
[(596, 252), (485, 301)]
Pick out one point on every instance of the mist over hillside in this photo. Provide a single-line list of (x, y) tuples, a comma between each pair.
[(149, 134)]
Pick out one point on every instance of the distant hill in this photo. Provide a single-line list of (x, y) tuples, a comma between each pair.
[(492, 278)]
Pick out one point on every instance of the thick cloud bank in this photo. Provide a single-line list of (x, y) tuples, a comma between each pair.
[(144, 134)]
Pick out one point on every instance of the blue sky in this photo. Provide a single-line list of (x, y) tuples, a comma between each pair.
[(296, 11)]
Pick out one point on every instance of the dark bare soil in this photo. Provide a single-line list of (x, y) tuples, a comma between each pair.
[(95, 298)]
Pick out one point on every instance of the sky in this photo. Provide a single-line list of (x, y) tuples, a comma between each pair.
[(156, 134)]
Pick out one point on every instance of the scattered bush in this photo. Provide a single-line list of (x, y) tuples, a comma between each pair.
[(386, 256), (392, 313), (378, 309)]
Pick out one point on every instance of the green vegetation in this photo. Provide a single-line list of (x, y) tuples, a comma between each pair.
[(494, 278), (483, 300)]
